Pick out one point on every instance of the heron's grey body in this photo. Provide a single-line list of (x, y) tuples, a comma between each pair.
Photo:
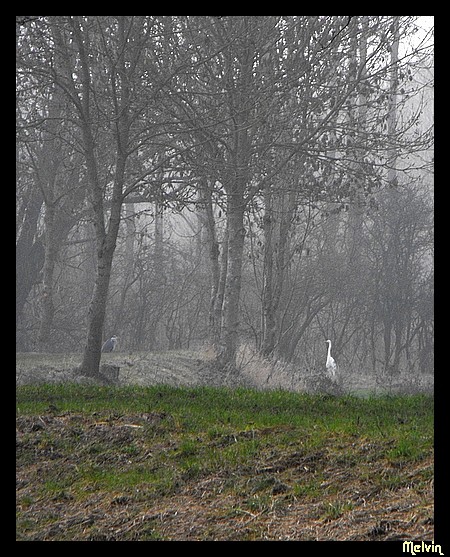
[(110, 344)]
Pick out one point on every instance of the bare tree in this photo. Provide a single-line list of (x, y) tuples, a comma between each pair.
[(98, 72), (281, 132)]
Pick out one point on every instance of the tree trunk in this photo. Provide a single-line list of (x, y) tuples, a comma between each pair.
[(240, 106), (208, 223), (393, 88), (359, 117), (129, 274), (106, 236), (158, 252), (48, 307), (230, 310), (220, 295), (29, 260), (268, 309), (96, 317), (392, 173), (106, 245), (277, 222)]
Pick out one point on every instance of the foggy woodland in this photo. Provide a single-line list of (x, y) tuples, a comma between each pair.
[(226, 181)]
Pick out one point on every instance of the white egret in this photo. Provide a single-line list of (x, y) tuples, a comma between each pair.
[(331, 364)]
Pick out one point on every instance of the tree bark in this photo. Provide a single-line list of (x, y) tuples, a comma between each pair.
[(29, 258), (207, 220), (277, 222), (218, 300), (268, 309), (106, 245), (230, 308), (240, 107), (51, 251)]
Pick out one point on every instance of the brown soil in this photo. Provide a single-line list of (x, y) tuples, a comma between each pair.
[(268, 499)]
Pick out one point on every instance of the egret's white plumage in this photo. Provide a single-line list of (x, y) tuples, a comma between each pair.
[(331, 364)]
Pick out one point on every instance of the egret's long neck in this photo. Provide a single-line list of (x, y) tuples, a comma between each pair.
[(329, 349)]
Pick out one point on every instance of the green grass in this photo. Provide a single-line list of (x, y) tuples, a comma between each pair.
[(255, 453), (207, 406)]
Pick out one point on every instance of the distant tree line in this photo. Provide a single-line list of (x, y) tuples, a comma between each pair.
[(259, 179)]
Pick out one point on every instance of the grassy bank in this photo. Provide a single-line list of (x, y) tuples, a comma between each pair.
[(140, 463)]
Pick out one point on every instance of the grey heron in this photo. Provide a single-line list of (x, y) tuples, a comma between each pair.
[(110, 344)]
